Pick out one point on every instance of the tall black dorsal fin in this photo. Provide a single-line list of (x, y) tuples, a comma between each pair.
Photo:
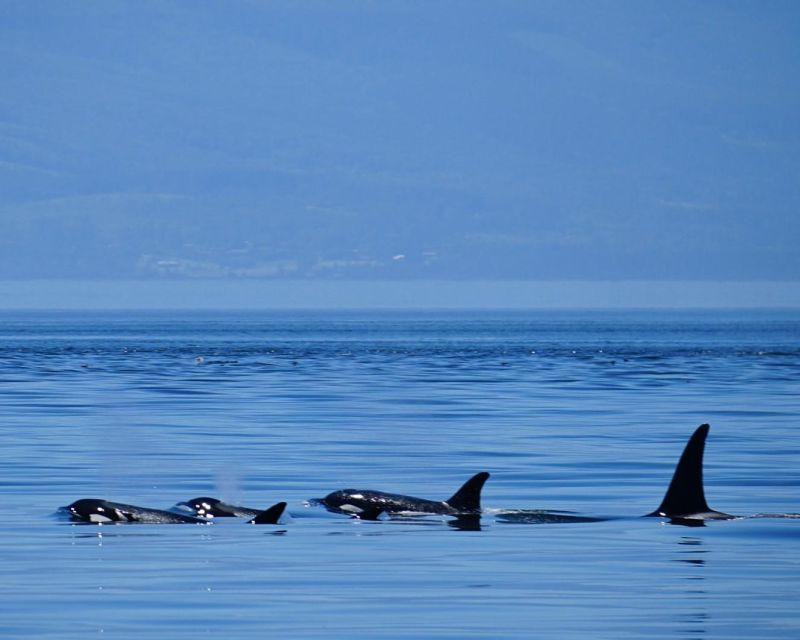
[(685, 495), (468, 498), (269, 516)]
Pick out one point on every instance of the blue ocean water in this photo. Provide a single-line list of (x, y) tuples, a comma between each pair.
[(580, 411)]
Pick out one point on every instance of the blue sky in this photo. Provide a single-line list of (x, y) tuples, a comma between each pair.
[(408, 141)]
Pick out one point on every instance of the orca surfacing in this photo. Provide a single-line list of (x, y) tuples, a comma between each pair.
[(367, 504), (206, 507), (100, 511), (685, 500), (97, 511)]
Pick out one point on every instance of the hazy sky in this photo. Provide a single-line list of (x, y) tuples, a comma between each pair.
[(282, 294), (362, 140)]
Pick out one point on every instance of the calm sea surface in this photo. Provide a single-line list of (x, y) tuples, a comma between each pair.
[(578, 411)]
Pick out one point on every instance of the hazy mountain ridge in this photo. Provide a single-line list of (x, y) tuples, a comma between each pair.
[(304, 140)]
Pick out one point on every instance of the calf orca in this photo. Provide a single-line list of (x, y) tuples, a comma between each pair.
[(368, 504), (685, 500), (214, 508), (104, 511)]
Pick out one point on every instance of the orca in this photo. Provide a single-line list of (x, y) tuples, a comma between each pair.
[(206, 507), (104, 511), (99, 511), (368, 504), (685, 500)]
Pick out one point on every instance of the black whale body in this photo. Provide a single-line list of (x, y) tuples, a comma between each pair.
[(368, 504), (98, 511), (206, 507)]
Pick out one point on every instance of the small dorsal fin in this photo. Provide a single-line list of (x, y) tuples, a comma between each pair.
[(269, 516), (468, 498), (685, 495)]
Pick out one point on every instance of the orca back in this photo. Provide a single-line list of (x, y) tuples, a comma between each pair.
[(206, 507)]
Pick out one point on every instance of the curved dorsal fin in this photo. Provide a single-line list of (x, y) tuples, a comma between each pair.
[(685, 495), (269, 516), (468, 498)]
